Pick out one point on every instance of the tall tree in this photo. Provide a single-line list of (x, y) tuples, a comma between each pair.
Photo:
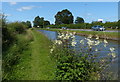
[(79, 20), (64, 17), (38, 22), (28, 23), (41, 23)]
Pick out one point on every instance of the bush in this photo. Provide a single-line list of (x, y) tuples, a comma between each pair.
[(111, 25), (9, 32), (12, 56), (85, 65), (7, 38), (17, 27), (12, 47), (72, 67)]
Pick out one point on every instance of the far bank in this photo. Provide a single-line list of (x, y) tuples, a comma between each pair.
[(101, 34)]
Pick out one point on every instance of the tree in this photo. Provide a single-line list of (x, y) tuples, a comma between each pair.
[(112, 25), (38, 22), (118, 24), (28, 23), (46, 23), (23, 22), (41, 23), (64, 17), (79, 20), (96, 23)]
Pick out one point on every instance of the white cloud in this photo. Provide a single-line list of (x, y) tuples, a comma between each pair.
[(25, 8), (89, 14), (13, 3), (8, 15)]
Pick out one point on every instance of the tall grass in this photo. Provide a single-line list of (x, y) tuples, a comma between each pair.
[(12, 56), (15, 40)]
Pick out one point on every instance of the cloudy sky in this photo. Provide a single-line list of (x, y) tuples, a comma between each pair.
[(90, 11)]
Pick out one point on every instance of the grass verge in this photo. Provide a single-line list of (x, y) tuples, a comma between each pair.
[(33, 61)]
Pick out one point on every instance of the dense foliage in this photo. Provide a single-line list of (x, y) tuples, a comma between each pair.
[(79, 20), (83, 64), (64, 17), (17, 27), (27, 23), (107, 25), (40, 22), (46, 23), (7, 36), (12, 46)]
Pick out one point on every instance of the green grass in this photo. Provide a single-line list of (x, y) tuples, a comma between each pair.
[(101, 34), (41, 64), (34, 62), (112, 29), (107, 35)]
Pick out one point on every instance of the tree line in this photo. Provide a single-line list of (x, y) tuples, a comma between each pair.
[(65, 18), (62, 17)]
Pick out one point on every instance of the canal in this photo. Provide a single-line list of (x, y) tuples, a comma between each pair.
[(102, 51)]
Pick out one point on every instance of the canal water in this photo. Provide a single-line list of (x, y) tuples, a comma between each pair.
[(102, 51)]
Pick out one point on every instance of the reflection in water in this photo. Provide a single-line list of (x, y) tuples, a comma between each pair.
[(50, 34), (101, 49)]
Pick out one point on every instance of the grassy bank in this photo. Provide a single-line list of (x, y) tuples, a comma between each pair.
[(31, 58), (101, 34)]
